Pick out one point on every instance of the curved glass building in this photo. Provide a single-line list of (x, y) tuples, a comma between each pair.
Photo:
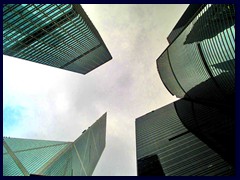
[(194, 136), (199, 64)]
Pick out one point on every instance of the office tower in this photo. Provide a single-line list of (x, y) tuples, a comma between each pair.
[(183, 21), (199, 64), (24, 157), (185, 139), (58, 35), (195, 135)]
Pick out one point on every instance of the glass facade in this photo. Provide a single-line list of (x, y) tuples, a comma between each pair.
[(55, 158), (61, 166), (12, 169), (183, 138), (195, 135), (183, 21), (58, 35), (31, 154), (200, 62), (89, 147), (214, 125)]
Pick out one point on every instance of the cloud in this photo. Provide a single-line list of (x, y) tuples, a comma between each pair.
[(59, 105), (124, 158)]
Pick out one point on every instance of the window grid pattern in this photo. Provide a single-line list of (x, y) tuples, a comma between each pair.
[(32, 160), (12, 169), (185, 155), (213, 125), (78, 167), (55, 158), (219, 51), (89, 148), (209, 76), (167, 75), (4, 149), (82, 65), (61, 167), (53, 35), (143, 127), (189, 69), (18, 144)]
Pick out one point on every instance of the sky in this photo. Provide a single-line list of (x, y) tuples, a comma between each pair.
[(43, 102)]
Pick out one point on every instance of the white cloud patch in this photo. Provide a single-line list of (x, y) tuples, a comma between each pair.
[(59, 105)]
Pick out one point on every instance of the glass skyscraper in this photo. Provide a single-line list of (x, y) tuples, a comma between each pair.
[(24, 157), (58, 35), (185, 139), (195, 135), (199, 64)]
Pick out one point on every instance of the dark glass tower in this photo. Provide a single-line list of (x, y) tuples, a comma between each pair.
[(185, 139), (199, 64), (58, 35), (24, 157), (195, 135)]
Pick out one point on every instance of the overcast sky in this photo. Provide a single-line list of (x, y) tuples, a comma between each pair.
[(42, 102)]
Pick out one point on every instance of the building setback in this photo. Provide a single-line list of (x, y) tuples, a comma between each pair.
[(58, 35), (24, 157), (194, 136)]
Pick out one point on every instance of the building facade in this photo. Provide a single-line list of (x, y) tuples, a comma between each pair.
[(199, 64), (195, 135), (24, 157), (185, 139), (58, 35)]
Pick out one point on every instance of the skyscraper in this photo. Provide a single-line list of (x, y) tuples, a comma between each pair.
[(24, 157), (58, 35), (185, 139), (199, 64), (196, 134)]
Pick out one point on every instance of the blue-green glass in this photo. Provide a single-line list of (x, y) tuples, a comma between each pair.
[(9, 167), (51, 34), (32, 160), (56, 158), (202, 57), (18, 144), (62, 166), (219, 51)]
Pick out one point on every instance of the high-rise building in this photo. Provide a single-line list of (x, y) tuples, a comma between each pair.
[(58, 35), (199, 64), (196, 134), (24, 157), (183, 21), (185, 139)]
